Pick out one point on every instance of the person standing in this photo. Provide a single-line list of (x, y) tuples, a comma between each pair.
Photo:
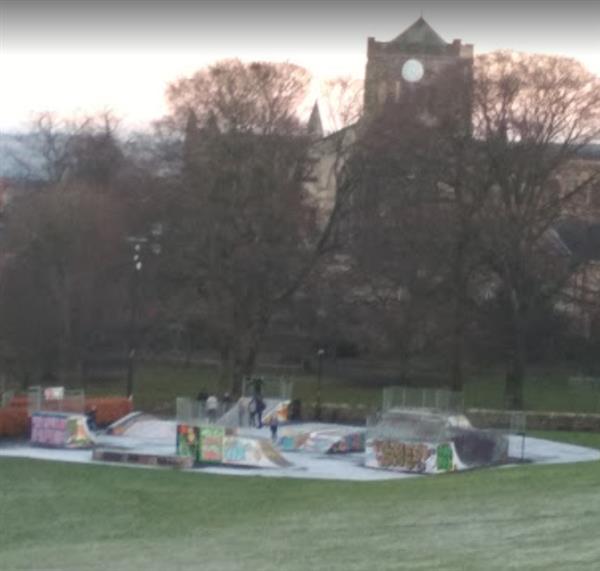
[(242, 410), (252, 410), (201, 398), (273, 424), (260, 407), (212, 404)]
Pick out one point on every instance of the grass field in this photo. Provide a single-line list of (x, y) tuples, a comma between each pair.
[(78, 517), (157, 386)]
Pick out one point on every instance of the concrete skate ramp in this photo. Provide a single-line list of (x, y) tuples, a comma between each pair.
[(214, 444), (429, 442), (252, 452), (120, 426), (480, 447), (322, 438), (61, 430), (333, 466)]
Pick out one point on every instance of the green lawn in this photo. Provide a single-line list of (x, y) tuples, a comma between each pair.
[(157, 386), (66, 516)]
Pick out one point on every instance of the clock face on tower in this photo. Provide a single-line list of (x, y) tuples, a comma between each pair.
[(412, 70)]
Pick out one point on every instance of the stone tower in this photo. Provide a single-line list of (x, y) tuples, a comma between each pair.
[(418, 67)]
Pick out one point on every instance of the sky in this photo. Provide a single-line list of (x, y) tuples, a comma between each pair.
[(73, 57)]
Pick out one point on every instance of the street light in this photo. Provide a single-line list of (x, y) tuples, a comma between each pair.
[(138, 243), (320, 355)]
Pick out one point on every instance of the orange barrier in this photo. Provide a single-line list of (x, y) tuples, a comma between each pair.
[(109, 409), (18, 401), (14, 420)]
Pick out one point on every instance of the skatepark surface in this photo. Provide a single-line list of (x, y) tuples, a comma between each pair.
[(160, 439)]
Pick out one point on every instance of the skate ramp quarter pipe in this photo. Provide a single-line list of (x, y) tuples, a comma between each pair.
[(431, 443), (323, 438), (218, 445), (60, 430)]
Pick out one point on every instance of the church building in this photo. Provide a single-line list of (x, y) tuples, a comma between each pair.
[(420, 70)]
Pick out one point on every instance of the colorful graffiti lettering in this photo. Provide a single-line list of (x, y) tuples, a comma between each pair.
[(76, 432), (235, 451), (211, 443), (408, 456), (445, 457), (59, 430), (349, 443), (289, 442), (188, 441)]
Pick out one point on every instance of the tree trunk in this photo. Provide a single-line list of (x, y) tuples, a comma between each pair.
[(250, 361), (459, 318), (233, 371)]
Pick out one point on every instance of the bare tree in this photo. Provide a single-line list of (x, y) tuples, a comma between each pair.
[(533, 115), (84, 149), (342, 99), (62, 283), (243, 232)]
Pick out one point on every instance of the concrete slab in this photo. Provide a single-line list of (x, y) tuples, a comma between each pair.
[(307, 465)]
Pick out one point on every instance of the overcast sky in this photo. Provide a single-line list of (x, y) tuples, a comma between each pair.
[(75, 56)]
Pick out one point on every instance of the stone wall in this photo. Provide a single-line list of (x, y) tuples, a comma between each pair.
[(480, 418), (569, 421)]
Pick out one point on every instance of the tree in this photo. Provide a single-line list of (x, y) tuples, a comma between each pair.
[(85, 149), (342, 97), (242, 234), (413, 227), (61, 287), (532, 115)]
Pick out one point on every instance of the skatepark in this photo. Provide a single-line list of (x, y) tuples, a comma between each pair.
[(404, 441)]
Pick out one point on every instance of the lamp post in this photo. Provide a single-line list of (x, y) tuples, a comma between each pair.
[(320, 355), (134, 290), (138, 243)]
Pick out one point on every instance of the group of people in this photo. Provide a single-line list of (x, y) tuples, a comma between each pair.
[(255, 409)]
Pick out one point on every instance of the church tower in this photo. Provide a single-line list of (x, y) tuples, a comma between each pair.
[(418, 67)]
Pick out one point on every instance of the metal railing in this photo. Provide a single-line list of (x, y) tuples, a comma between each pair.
[(442, 400)]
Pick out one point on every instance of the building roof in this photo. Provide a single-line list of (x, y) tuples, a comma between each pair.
[(315, 125), (419, 34)]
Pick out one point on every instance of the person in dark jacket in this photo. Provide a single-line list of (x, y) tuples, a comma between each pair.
[(273, 424), (260, 408)]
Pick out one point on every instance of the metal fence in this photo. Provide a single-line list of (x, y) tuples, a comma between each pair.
[(441, 400), (48, 399), (410, 425), (189, 411), (7, 396)]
